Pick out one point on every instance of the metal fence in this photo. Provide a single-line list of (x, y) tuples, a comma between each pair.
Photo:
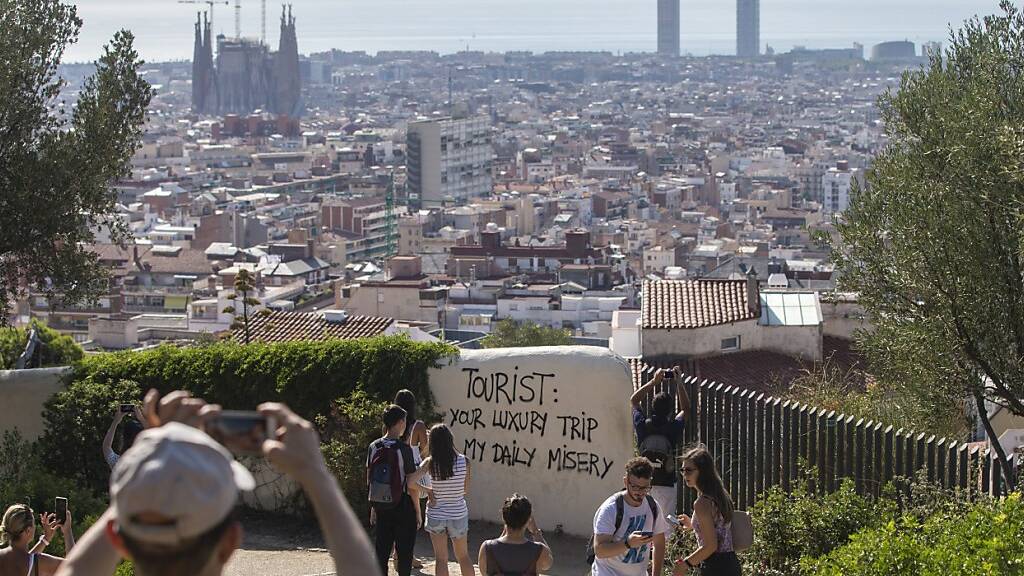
[(759, 441)]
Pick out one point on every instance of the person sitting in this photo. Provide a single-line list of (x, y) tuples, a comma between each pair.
[(18, 529), (513, 553)]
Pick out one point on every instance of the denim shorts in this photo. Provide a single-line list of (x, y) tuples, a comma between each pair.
[(457, 528)]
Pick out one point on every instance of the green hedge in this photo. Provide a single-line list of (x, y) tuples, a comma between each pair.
[(55, 349), (308, 376), (986, 540)]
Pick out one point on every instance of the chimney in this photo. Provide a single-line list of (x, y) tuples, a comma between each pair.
[(211, 282), (753, 294)]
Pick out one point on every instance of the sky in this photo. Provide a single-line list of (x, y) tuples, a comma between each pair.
[(163, 28)]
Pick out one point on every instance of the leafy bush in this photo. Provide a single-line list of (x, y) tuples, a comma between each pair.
[(55, 349), (792, 526), (512, 334), (354, 423), (308, 376), (986, 540)]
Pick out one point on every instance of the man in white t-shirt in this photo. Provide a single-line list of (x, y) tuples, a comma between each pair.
[(626, 550)]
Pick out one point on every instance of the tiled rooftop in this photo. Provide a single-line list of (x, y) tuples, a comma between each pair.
[(288, 326), (694, 303)]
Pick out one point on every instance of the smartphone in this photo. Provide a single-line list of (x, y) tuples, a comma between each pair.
[(61, 509), (241, 432), (646, 534), (669, 374), (672, 519), (127, 408)]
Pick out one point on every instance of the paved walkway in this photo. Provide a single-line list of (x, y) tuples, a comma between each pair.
[(266, 554)]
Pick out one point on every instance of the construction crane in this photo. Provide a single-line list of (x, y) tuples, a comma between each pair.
[(238, 19), (263, 21), (210, 3), (389, 217)]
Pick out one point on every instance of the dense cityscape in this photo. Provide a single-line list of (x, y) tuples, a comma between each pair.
[(425, 296)]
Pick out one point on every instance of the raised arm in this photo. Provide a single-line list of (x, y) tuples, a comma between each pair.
[(297, 453), (643, 390), (108, 440), (681, 395)]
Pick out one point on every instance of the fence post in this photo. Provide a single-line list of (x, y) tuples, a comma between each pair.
[(877, 457), (758, 447), (930, 458), (962, 471), (812, 449), (869, 457), (858, 463), (899, 453), (744, 429), (775, 455), (919, 453), (735, 442), (827, 450), (908, 471), (940, 462), (951, 452), (986, 471), (789, 422), (887, 455)]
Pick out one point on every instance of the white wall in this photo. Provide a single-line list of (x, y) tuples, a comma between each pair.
[(803, 341), (572, 432)]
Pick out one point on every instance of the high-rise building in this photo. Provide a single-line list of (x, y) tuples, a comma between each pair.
[(748, 28), (668, 27), (448, 160)]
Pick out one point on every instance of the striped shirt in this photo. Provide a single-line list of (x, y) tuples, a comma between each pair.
[(450, 494)]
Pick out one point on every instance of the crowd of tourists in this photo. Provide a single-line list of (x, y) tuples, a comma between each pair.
[(174, 492)]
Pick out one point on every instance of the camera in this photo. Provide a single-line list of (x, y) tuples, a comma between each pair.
[(668, 374), (241, 432)]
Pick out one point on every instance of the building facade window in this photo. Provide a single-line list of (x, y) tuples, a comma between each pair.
[(730, 344)]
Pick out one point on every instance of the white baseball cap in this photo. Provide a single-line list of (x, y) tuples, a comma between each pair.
[(180, 473)]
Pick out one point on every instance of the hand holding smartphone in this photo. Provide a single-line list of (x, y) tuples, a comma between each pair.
[(241, 432), (61, 509)]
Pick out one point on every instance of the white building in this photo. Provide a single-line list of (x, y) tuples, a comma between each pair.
[(657, 258), (835, 185), (449, 159)]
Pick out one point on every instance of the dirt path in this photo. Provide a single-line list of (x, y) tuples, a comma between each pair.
[(288, 548)]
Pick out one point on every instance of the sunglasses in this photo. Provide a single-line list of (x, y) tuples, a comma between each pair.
[(647, 488)]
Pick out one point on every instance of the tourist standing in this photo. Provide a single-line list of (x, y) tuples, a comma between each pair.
[(712, 519), (447, 512), (658, 433), (628, 525), (388, 464), (129, 430), (415, 436), (19, 555), (513, 553)]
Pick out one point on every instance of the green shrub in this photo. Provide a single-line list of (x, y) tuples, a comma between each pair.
[(55, 349), (986, 540), (308, 376), (801, 523), (355, 423)]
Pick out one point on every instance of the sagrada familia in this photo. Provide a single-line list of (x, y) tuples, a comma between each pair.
[(248, 76)]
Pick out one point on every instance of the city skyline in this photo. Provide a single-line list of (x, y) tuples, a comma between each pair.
[(707, 27)]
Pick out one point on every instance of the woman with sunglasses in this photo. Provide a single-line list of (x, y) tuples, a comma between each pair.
[(712, 519), (20, 556)]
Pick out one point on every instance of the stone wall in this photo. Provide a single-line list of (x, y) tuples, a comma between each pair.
[(22, 395), (550, 423)]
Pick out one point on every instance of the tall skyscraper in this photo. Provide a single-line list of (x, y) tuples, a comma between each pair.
[(448, 159), (668, 27), (748, 28)]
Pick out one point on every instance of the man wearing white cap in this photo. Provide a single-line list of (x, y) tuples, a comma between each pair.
[(174, 492)]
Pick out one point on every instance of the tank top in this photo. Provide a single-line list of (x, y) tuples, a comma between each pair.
[(723, 531), (450, 494), (417, 458), (512, 559)]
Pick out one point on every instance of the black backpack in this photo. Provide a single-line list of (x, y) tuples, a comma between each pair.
[(657, 448), (619, 511)]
